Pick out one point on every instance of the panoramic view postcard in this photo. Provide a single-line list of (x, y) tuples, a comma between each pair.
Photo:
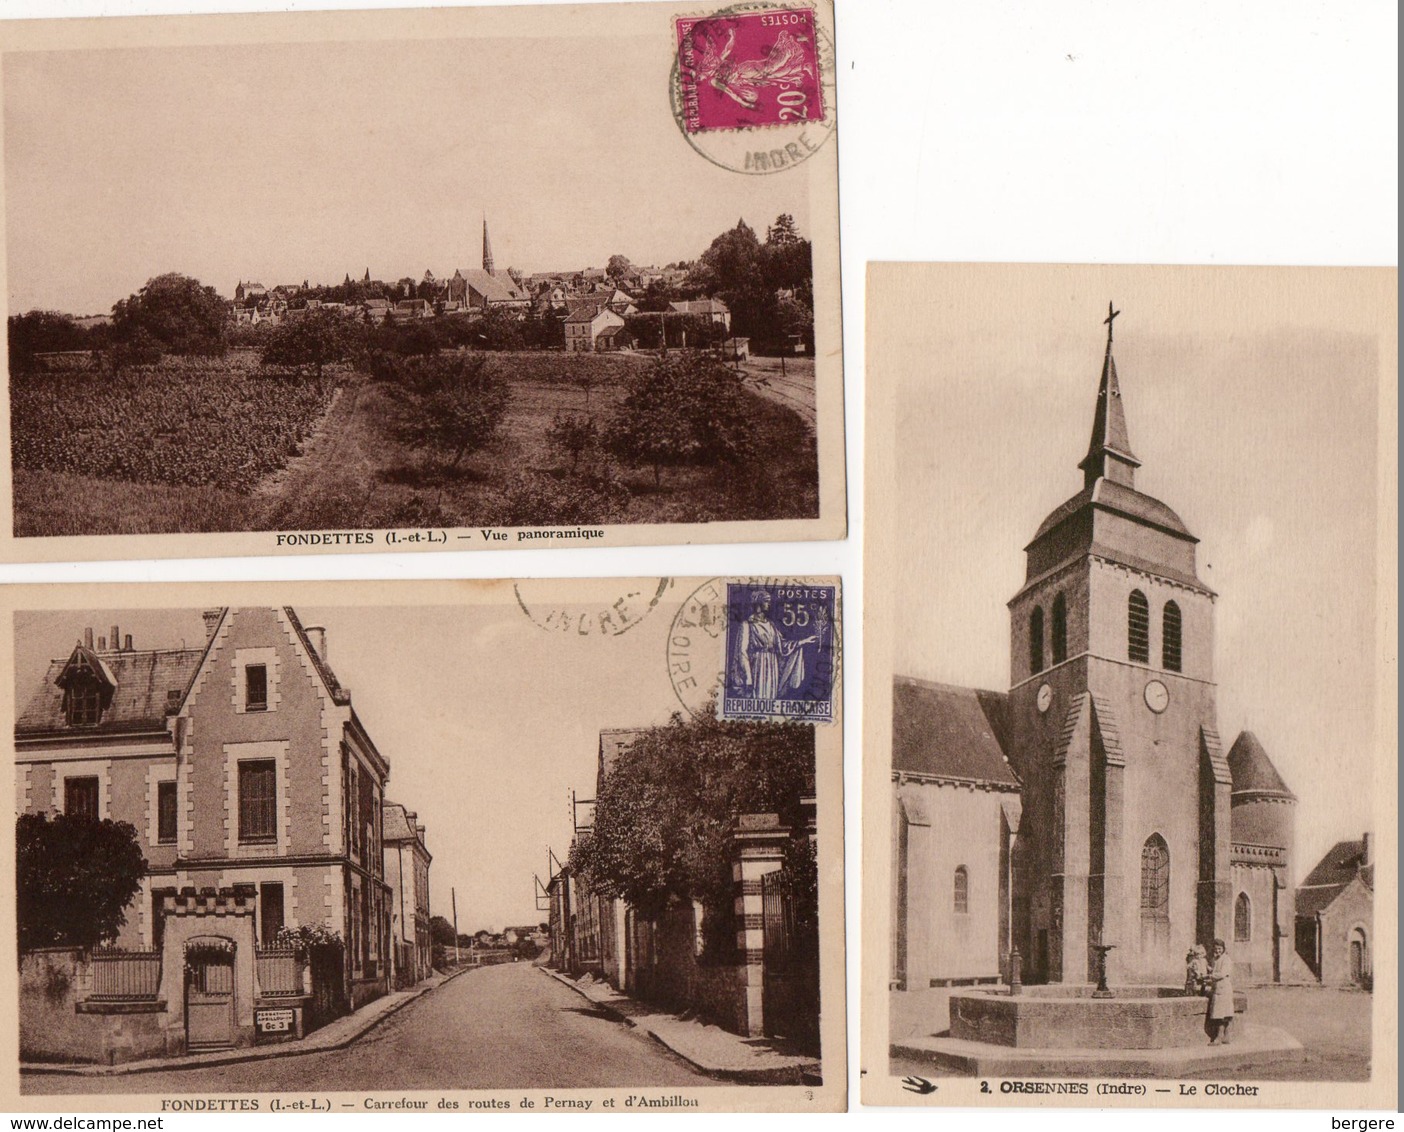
[(1130, 720), (438, 847), (452, 279)]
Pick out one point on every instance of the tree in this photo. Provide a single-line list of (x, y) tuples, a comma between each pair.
[(618, 268), (783, 231), (440, 931), (500, 329), (686, 408), (74, 878), (663, 812), (38, 332), (313, 340), (451, 404), (573, 434), (183, 316)]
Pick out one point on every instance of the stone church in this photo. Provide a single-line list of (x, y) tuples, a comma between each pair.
[(1093, 802)]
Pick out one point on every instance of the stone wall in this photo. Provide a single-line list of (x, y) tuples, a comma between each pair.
[(52, 981)]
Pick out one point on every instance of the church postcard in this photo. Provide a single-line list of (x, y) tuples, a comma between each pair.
[(1130, 718), (441, 279), (443, 847)]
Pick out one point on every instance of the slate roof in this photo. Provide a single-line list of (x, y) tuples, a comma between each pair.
[(339, 694), (1112, 496), (949, 732), (143, 680), (1252, 770), (396, 825), (492, 287), (1109, 422), (1340, 866), (586, 313)]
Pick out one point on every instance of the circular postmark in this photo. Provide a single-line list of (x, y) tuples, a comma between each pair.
[(591, 607), (795, 621), (709, 64)]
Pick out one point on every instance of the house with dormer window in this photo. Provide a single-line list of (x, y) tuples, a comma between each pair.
[(257, 796)]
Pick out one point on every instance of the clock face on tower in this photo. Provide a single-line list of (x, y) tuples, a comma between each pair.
[(1045, 698), (1157, 696)]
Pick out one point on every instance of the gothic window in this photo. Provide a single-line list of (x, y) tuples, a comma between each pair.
[(258, 800), (1242, 919), (1036, 640), (1155, 878), (82, 703), (1138, 627), (1060, 629), (962, 890), (1170, 637), (80, 797)]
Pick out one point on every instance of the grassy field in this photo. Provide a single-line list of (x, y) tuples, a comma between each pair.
[(324, 456)]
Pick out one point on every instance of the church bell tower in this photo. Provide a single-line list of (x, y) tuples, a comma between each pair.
[(1125, 832)]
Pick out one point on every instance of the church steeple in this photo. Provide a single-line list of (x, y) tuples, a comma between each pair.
[(487, 249), (1109, 451)]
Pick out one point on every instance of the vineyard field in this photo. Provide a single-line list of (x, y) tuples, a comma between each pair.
[(193, 422)]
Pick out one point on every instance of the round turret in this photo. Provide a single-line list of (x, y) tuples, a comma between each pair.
[(1264, 810)]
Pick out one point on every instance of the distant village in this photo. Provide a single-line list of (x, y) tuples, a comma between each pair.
[(591, 305)]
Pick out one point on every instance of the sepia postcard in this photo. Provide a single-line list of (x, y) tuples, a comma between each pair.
[(1130, 722), (545, 845), (463, 278)]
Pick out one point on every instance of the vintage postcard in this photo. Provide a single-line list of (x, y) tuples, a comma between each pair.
[(463, 278), (439, 847), (1130, 720)]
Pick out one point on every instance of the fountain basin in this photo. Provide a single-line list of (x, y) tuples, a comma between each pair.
[(1060, 1017)]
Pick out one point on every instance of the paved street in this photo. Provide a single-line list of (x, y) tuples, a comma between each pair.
[(506, 1027)]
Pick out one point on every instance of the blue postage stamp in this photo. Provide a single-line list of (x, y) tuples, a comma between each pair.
[(779, 652)]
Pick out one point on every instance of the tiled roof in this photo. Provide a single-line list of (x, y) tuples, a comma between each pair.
[(700, 306), (949, 732), (1253, 771), (143, 682)]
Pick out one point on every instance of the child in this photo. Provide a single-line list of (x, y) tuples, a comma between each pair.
[(1196, 969)]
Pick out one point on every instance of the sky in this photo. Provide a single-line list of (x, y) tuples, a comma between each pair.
[(285, 162), (488, 722), (1253, 411)]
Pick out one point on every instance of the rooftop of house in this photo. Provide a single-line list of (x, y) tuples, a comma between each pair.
[(1342, 863)]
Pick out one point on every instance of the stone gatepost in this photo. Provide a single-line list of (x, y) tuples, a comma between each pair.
[(757, 847)]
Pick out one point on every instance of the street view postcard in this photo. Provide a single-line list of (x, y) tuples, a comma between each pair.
[(456, 279), (1130, 699), (439, 847)]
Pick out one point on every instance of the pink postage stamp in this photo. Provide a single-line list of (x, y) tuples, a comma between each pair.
[(758, 68)]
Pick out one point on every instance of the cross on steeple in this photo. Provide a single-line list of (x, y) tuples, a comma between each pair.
[(1111, 314), (1109, 452)]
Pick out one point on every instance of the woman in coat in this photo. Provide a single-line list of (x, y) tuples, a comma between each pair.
[(1220, 996)]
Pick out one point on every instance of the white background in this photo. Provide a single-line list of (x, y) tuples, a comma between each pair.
[(1204, 131)]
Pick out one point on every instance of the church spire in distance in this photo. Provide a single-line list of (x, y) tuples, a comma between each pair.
[(1109, 451), (487, 249)]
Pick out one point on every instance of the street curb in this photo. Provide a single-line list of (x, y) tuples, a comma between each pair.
[(235, 1057), (796, 1075)]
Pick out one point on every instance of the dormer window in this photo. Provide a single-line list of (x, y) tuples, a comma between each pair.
[(82, 703)]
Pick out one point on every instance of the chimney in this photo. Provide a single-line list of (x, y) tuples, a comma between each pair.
[(116, 639), (127, 644), (102, 644), (211, 617), (1366, 850), (88, 638), (317, 634)]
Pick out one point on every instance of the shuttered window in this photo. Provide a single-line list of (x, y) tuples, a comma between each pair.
[(1036, 640), (1060, 629), (258, 800), (165, 811), (1138, 628), (1170, 637)]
